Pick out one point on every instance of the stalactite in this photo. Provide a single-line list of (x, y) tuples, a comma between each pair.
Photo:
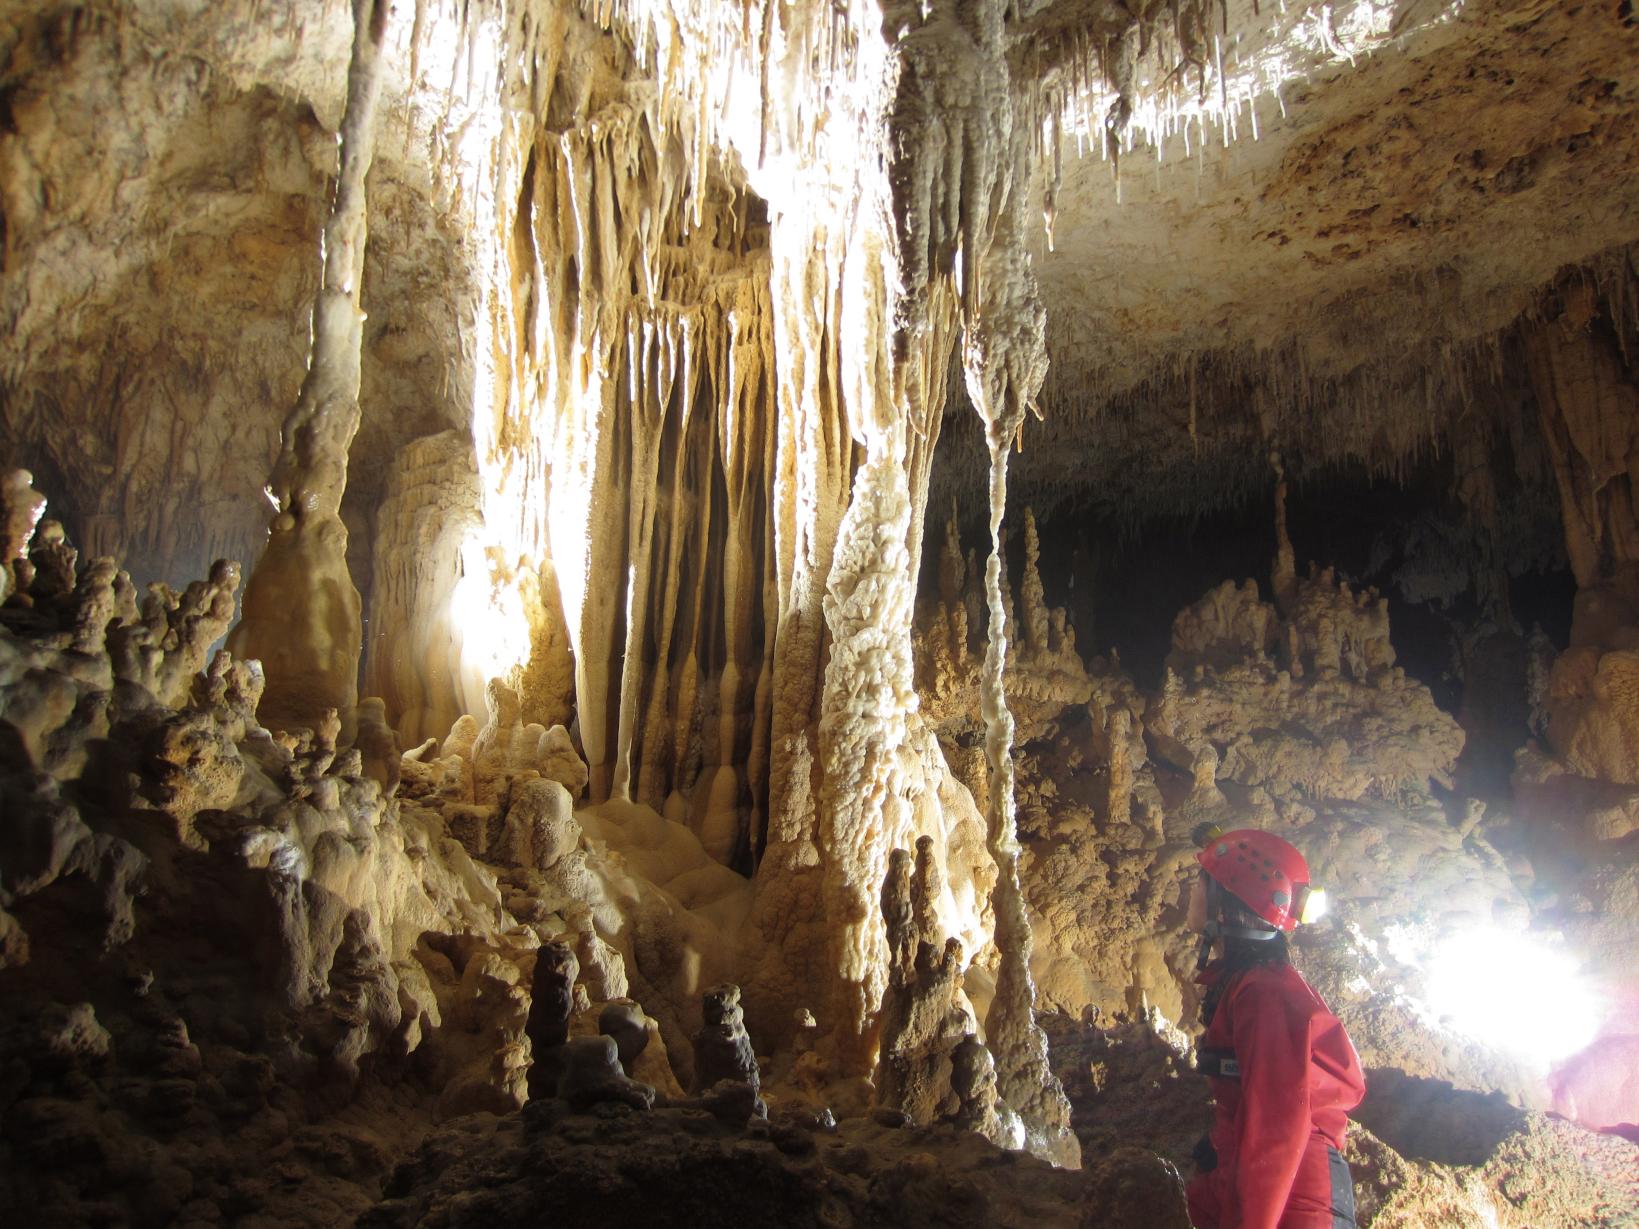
[(762, 706), (651, 363), (662, 305), (301, 613), (1284, 579), (1586, 403), (1487, 567), (813, 475), (1004, 362), (658, 773), (746, 409)]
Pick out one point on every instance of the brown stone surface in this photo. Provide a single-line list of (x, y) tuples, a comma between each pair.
[(643, 377)]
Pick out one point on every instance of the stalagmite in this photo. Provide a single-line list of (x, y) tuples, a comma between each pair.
[(302, 617), (1284, 575), (866, 700), (631, 465), (21, 507)]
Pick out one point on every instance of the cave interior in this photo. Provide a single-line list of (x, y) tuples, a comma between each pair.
[(626, 611)]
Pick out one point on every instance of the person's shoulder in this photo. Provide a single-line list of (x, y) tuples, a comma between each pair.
[(1279, 983)]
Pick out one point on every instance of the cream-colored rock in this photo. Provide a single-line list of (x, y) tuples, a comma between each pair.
[(557, 761), (540, 825), (704, 378), (302, 616), (506, 749), (1338, 719), (21, 507), (1044, 673), (412, 659)]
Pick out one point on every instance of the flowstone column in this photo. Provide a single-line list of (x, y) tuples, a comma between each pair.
[(1004, 361), (1588, 407), (301, 614)]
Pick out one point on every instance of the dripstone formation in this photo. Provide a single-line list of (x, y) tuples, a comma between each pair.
[(630, 609)]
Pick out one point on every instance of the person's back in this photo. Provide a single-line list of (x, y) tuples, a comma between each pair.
[(1284, 1077)]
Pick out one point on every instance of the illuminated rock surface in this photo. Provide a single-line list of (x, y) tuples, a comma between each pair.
[(705, 446)]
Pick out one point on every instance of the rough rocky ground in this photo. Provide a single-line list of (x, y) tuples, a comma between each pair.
[(1422, 1152), (683, 1167)]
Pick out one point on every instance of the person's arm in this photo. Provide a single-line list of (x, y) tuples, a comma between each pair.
[(1272, 1045)]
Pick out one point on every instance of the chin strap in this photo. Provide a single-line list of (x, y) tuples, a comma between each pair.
[(1259, 935), (1215, 930)]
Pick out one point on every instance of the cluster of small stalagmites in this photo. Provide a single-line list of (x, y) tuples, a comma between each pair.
[(585, 1069), (279, 875), (1045, 674), (524, 830), (100, 692), (931, 1067), (1299, 699), (129, 747), (1117, 745), (1322, 627), (479, 773)]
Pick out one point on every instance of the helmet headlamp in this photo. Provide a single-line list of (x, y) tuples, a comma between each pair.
[(1311, 904)]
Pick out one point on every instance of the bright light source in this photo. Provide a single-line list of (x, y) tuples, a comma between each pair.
[(488, 618), (1513, 992), (1314, 906)]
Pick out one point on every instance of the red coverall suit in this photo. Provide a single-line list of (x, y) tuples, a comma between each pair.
[(1280, 1121)]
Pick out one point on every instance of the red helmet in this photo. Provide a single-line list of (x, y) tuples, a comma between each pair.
[(1266, 874)]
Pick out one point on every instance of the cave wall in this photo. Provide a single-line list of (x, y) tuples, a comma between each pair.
[(648, 398), (651, 399)]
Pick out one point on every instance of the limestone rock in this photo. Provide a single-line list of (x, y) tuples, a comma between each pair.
[(592, 1075), (1045, 674), (722, 1049), (539, 826), (1134, 1189), (626, 1023), (1330, 715), (551, 995), (21, 507), (72, 1033)]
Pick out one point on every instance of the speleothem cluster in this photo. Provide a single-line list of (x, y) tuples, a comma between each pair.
[(599, 752)]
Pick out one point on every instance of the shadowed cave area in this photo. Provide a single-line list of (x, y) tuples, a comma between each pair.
[(627, 613)]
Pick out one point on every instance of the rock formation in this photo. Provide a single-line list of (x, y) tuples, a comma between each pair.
[(302, 615), (722, 1048), (601, 695), (1045, 675), (1311, 704)]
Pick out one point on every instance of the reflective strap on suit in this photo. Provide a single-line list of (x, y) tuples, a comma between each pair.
[(1342, 1190)]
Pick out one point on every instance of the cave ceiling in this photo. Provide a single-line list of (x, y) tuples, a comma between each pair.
[(578, 659), (1387, 189), (1318, 253)]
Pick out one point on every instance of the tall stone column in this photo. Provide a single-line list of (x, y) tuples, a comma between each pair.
[(301, 614)]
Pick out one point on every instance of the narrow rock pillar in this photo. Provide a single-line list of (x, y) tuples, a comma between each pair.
[(301, 614)]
